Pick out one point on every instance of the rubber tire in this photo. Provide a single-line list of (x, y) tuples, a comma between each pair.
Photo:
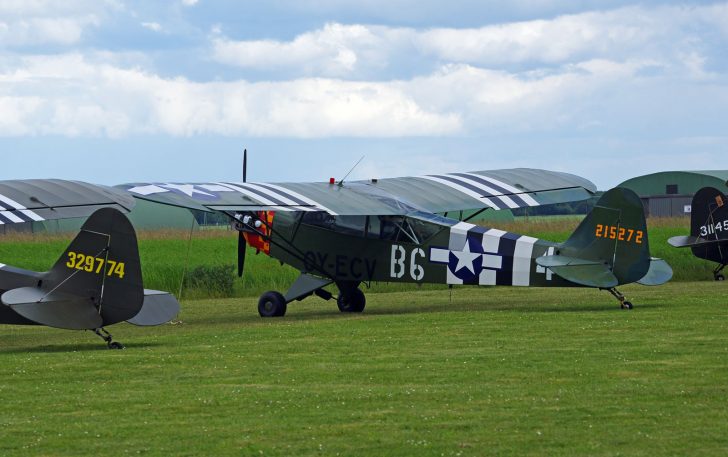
[(115, 345), (627, 305), (353, 302), (720, 278), (272, 304)]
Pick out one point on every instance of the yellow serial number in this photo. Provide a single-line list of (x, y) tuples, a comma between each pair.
[(620, 233), (95, 265)]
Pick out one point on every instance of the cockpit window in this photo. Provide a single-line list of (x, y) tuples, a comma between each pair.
[(390, 228)]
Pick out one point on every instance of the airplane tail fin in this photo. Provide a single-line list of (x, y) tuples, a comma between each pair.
[(610, 247), (96, 282), (709, 219), (709, 227)]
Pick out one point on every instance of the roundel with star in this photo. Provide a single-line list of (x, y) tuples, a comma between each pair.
[(467, 264)]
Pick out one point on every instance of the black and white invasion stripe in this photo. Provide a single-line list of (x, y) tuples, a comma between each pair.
[(12, 212), (489, 191), (278, 198)]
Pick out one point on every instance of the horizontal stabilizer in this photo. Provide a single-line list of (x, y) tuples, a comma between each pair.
[(158, 308), (660, 273), (58, 309), (580, 271), (692, 242), (564, 261)]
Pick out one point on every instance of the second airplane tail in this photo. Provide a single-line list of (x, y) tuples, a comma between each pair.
[(610, 247)]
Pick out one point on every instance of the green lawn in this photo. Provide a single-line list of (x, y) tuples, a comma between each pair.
[(497, 371)]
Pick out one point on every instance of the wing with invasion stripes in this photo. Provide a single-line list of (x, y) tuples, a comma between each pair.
[(38, 200), (499, 189)]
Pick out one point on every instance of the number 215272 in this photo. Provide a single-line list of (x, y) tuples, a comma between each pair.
[(620, 233)]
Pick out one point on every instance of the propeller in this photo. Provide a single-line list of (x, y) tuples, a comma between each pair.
[(242, 245), (245, 166)]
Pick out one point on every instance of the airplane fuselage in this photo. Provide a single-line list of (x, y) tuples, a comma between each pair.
[(410, 250)]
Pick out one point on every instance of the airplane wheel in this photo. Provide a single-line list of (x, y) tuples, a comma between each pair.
[(115, 345), (720, 278), (627, 305), (353, 302), (272, 304)]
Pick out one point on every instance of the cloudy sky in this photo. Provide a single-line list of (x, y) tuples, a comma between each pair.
[(113, 91)]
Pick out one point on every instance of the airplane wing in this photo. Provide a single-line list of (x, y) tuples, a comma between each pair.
[(499, 189), (38, 200)]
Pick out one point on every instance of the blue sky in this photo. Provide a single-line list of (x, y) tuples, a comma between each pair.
[(113, 91)]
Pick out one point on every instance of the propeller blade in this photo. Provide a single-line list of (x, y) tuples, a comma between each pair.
[(245, 166), (242, 250)]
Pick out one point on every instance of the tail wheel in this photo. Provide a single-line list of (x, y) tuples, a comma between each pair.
[(272, 304), (354, 301), (719, 278)]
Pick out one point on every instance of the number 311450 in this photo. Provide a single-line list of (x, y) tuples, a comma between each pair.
[(620, 233)]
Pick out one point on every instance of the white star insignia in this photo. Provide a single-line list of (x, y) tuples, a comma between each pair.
[(466, 258), (187, 189)]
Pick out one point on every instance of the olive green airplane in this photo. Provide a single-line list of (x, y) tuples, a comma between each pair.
[(97, 281), (709, 229), (412, 230)]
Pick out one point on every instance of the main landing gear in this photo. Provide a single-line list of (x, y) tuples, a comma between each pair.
[(106, 336), (350, 300), (622, 299), (717, 273)]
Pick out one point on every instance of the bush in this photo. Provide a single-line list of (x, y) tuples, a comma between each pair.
[(213, 280)]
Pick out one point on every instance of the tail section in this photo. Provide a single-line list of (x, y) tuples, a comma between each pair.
[(710, 215), (96, 282), (610, 247), (709, 229)]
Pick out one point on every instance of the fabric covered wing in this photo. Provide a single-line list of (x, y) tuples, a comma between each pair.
[(500, 189), (48, 199)]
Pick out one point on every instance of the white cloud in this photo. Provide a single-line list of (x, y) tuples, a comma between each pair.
[(43, 30), (50, 22), (662, 33), (335, 50), (52, 8), (73, 95), (153, 26), (190, 2)]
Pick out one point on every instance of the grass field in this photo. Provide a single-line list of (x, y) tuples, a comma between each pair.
[(495, 371)]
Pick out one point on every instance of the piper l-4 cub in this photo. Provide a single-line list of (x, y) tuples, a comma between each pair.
[(97, 281), (709, 229), (398, 230)]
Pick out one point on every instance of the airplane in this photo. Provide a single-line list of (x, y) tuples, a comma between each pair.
[(413, 230), (709, 229), (97, 281)]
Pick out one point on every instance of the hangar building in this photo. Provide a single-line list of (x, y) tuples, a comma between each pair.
[(670, 193)]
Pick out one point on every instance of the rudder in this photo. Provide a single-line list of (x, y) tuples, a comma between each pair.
[(102, 263), (614, 234)]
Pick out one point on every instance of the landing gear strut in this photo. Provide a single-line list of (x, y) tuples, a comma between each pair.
[(717, 273), (274, 304), (622, 299), (106, 336)]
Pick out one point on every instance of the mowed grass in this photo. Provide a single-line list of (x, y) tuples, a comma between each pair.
[(490, 371)]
